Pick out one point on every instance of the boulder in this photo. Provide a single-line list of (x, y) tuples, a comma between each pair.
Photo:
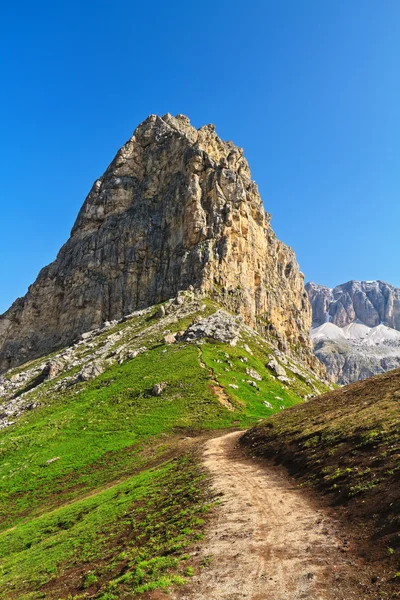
[(276, 368), (53, 368), (169, 338), (90, 371), (158, 388), (253, 373), (161, 312)]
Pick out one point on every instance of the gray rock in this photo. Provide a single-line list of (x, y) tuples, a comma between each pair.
[(90, 371), (276, 368), (252, 383), (368, 303), (161, 312), (220, 326), (134, 353), (54, 368), (87, 335), (253, 373), (347, 361), (158, 388)]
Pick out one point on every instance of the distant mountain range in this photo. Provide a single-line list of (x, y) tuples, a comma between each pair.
[(356, 328)]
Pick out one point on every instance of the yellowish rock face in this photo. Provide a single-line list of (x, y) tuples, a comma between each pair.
[(176, 207)]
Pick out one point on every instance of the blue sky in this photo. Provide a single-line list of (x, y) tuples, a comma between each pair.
[(310, 90)]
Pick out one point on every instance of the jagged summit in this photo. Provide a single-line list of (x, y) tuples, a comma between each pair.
[(356, 328), (369, 302), (175, 208), (148, 155)]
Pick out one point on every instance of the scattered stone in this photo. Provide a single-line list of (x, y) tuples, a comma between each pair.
[(169, 338), (53, 368), (253, 373), (247, 348), (252, 383), (281, 356), (135, 353), (86, 336), (276, 368), (89, 371), (284, 380), (234, 386), (267, 404), (158, 388), (51, 460), (161, 312)]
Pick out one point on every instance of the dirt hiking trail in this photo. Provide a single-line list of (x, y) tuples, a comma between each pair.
[(268, 541)]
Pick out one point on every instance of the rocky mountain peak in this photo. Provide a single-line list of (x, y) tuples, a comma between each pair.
[(368, 302), (356, 328), (175, 208), (161, 148)]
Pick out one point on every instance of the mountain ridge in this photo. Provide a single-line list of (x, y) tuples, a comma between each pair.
[(356, 328), (175, 208)]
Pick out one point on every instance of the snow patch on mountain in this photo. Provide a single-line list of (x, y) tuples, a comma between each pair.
[(357, 332)]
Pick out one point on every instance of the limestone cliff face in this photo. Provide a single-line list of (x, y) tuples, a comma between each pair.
[(356, 328), (176, 207), (368, 302)]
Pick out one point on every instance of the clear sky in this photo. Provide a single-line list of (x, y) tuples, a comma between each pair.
[(309, 88)]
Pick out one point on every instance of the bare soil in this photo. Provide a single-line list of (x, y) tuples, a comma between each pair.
[(269, 539)]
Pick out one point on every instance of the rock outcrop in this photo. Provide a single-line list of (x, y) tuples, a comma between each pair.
[(368, 302), (220, 326), (39, 382), (175, 208), (356, 328)]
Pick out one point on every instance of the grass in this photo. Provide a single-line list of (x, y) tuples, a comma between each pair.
[(154, 515), (99, 495), (246, 398), (345, 444)]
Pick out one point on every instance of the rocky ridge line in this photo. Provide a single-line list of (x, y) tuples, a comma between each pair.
[(356, 328), (176, 207)]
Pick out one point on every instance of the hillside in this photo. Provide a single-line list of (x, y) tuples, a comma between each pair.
[(103, 495), (356, 328), (346, 445)]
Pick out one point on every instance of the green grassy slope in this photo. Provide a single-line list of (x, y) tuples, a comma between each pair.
[(99, 494), (346, 444)]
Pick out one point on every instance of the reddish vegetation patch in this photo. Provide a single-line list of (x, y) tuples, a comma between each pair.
[(346, 444), (221, 396)]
